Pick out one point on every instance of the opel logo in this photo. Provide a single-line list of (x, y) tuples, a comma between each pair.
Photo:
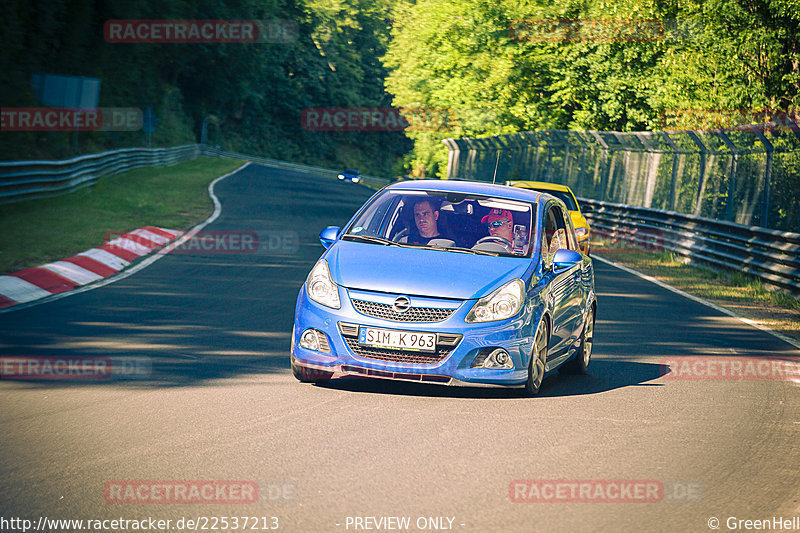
[(401, 304)]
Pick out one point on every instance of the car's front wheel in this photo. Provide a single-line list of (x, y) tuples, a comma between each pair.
[(538, 360)]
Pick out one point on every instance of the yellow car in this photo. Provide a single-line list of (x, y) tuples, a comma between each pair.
[(563, 193)]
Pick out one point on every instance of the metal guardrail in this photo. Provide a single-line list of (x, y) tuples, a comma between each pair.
[(771, 255), (26, 180)]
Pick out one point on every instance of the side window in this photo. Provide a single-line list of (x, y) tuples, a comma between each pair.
[(561, 231), (558, 233), (550, 237), (572, 240)]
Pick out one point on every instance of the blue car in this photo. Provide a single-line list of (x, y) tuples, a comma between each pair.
[(448, 282), (350, 174)]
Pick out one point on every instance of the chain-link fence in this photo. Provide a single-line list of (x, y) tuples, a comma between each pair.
[(748, 176)]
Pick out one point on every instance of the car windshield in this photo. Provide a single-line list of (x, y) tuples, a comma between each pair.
[(453, 222)]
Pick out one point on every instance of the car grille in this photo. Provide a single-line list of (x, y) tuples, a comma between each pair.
[(413, 314), (398, 356)]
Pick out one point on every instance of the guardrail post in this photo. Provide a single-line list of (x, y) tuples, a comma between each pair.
[(673, 189), (701, 180), (767, 178), (582, 170), (472, 154), (604, 168), (565, 166), (582, 164), (530, 146), (608, 176), (453, 157), (549, 171), (536, 154), (732, 178)]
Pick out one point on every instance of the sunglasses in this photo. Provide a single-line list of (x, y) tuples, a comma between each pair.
[(497, 223)]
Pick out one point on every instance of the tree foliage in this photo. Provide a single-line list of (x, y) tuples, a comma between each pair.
[(607, 65), (252, 94)]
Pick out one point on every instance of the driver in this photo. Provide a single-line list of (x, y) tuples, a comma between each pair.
[(500, 223), (426, 223)]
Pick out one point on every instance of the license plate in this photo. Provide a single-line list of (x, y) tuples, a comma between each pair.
[(397, 340)]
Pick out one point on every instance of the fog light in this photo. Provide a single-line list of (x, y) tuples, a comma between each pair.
[(313, 339), (496, 358), (501, 358)]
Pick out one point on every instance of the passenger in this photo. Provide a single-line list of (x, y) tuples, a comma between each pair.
[(500, 223)]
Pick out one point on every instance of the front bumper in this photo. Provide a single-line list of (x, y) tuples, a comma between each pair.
[(347, 357)]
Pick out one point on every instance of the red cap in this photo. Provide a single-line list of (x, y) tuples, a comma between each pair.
[(497, 214)]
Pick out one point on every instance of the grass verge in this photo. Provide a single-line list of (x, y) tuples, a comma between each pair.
[(745, 295), (35, 232)]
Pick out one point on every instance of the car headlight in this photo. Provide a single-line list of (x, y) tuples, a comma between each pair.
[(321, 288), (503, 303), (580, 232)]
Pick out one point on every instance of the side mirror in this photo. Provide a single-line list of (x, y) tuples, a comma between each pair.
[(587, 208), (564, 259), (328, 235)]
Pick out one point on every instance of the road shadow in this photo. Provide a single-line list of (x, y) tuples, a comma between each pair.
[(605, 375), (196, 318)]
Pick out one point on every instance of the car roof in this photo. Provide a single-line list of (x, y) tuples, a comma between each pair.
[(540, 185), (470, 187)]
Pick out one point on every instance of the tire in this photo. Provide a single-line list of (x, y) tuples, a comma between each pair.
[(309, 375), (538, 360), (580, 363)]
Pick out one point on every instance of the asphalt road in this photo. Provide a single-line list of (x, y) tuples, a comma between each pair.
[(220, 404)]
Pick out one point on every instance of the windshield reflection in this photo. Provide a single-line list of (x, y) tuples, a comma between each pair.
[(446, 221)]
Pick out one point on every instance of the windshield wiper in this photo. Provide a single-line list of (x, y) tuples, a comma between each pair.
[(470, 251), (369, 238)]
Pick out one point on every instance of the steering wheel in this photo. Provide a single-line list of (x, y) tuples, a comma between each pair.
[(494, 239), (400, 234)]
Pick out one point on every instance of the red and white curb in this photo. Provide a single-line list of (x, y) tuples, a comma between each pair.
[(86, 267)]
